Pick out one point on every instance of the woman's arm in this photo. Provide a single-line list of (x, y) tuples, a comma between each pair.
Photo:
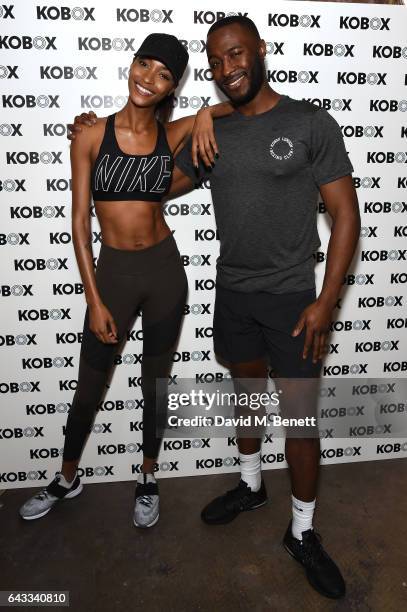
[(81, 235)]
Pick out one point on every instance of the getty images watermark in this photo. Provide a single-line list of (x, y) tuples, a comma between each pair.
[(284, 407)]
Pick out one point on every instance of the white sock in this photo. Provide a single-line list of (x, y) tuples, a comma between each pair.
[(65, 483), (250, 470), (302, 516), (149, 477)]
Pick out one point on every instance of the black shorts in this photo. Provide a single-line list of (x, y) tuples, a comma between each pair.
[(249, 326)]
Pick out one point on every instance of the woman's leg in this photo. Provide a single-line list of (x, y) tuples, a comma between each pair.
[(163, 312), (96, 358)]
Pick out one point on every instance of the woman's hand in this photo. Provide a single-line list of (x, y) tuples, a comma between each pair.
[(203, 139), (102, 324), (83, 119)]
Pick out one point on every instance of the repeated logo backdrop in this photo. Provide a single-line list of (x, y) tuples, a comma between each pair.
[(59, 59)]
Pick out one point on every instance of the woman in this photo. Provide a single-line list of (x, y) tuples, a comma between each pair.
[(126, 160)]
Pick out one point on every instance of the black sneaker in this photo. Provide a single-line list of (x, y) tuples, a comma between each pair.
[(225, 508), (322, 573)]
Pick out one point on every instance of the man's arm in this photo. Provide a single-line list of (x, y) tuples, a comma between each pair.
[(181, 183), (341, 201)]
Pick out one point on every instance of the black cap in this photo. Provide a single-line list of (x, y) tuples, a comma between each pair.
[(167, 49)]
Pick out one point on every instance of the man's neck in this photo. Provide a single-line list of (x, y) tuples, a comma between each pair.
[(262, 102)]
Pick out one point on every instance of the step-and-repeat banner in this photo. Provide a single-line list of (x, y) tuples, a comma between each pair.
[(60, 59)]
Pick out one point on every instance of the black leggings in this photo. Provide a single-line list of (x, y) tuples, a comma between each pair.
[(153, 280)]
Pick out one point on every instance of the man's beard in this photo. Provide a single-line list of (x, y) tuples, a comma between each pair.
[(256, 77)]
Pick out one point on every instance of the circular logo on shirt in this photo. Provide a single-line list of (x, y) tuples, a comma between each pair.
[(281, 148)]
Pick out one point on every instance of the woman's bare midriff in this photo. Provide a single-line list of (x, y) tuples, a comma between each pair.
[(131, 225)]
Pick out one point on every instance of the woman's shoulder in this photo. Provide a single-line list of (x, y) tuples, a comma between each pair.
[(91, 134)]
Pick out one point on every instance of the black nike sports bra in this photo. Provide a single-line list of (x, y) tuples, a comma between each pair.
[(119, 176)]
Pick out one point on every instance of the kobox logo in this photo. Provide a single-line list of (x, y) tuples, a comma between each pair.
[(14, 239), (360, 131), (385, 207), (359, 279), (59, 184), (382, 255), (12, 185), (31, 476), (35, 409), (380, 301), (328, 50), (107, 101), (33, 157), (54, 314), (386, 52), (10, 129), (20, 340), (361, 78), (39, 263), (6, 11), (27, 43), (68, 72), (164, 466), (37, 212), (388, 106), (29, 101), (65, 13), (144, 15), (204, 284), (194, 102), (334, 104), (9, 72), (345, 369), (196, 260), (292, 76), (210, 17), (106, 44), (182, 444), (183, 210), (16, 291), (284, 20), (367, 182), (364, 23), (28, 386), (18, 432), (39, 363), (347, 326)]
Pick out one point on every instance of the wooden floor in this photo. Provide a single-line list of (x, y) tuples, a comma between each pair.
[(89, 546)]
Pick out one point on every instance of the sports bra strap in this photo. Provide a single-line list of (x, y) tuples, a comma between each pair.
[(109, 136)]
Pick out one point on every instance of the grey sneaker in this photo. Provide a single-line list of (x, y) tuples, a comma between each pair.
[(147, 507), (41, 503)]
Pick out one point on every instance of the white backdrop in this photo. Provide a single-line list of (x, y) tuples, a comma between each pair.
[(61, 59)]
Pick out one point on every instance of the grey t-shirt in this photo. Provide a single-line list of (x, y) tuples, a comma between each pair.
[(265, 190)]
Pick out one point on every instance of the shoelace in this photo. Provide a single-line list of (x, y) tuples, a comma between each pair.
[(237, 497), (146, 500), (44, 493), (313, 551)]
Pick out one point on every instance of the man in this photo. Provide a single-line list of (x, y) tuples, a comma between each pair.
[(275, 154)]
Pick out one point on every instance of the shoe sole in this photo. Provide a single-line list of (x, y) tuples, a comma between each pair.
[(315, 586), (149, 525), (229, 520), (69, 495)]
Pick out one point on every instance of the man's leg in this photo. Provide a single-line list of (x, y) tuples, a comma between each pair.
[(298, 380), (238, 340)]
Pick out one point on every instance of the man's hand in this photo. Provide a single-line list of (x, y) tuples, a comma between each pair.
[(316, 319), (83, 119)]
